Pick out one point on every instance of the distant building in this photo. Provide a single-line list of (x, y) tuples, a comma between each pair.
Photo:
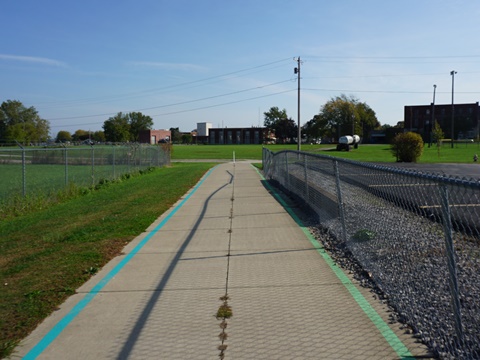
[(230, 136), (202, 133), (419, 119), (203, 128), (377, 137), (154, 136)]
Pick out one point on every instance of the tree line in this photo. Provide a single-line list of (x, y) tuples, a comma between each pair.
[(24, 125), (123, 127), (341, 115)]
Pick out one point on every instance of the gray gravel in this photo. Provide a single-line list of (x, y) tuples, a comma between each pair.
[(402, 256)]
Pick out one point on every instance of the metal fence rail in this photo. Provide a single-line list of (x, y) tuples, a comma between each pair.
[(31, 170), (418, 235)]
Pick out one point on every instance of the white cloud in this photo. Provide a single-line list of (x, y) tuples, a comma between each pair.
[(33, 59)]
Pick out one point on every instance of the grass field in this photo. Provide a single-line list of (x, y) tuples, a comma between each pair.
[(46, 178), (226, 152), (381, 153), (49, 170), (42, 178), (461, 153), (47, 254)]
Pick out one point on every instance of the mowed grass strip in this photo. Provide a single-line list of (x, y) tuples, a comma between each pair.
[(226, 152), (47, 254), (460, 153)]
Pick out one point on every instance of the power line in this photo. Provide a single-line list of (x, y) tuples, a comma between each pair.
[(175, 104), (216, 96), (160, 89), (395, 57), (227, 103), (390, 91), (183, 111)]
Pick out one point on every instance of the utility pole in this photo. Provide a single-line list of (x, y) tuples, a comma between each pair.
[(297, 71), (453, 72), (432, 124)]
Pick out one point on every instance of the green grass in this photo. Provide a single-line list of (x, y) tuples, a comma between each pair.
[(47, 254), (46, 172), (41, 178), (225, 152), (461, 153)]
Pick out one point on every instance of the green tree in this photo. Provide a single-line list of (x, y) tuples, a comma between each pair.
[(98, 136), (176, 136), (19, 123), (138, 122), (80, 135), (344, 115), (63, 136), (126, 127), (311, 131), (407, 147), (117, 128), (187, 138), (273, 116), (437, 135), (365, 120), (286, 130), (277, 121)]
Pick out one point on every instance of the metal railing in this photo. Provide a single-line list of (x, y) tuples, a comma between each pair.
[(30, 170), (417, 235)]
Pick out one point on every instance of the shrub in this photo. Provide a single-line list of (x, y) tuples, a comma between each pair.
[(407, 147)]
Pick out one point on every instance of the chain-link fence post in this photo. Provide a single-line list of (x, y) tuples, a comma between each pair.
[(287, 175), (129, 156), (66, 164), (340, 200), (113, 160), (452, 267), (93, 164), (305, 170), (263, 158), (264, 162), (24, 172)]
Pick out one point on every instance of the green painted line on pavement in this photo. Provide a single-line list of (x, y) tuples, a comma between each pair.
[(391, 338)]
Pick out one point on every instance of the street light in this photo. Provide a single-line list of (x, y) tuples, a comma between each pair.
[(433, 117), (453, 72), (299, 134)]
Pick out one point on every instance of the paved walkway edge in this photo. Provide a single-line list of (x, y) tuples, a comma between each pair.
[(67, 319), (392, 339)]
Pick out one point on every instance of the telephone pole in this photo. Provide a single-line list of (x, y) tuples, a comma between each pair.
[(453, 72), (297, 71)]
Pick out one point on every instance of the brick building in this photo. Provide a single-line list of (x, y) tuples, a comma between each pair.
[(419, 119), (154, 136), (227, 136)]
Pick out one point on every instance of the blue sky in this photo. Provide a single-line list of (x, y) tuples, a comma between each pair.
[(227, 62)]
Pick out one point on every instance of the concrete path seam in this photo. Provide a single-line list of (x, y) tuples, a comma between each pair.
[(225, 308)]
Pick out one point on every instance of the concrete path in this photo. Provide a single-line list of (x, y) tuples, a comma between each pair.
[(160, 299)]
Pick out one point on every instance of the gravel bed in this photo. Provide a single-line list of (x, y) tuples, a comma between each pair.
[(402, 257)]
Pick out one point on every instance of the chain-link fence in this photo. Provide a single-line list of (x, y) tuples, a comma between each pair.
[(417, 235), (32, 170)]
